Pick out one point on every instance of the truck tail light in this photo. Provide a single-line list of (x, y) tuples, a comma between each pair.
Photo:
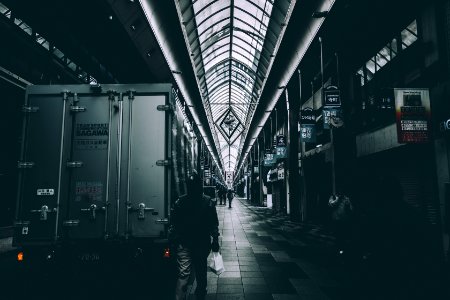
[(166, 253)]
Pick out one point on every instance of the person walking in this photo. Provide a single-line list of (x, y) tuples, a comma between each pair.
[(230, 197), (222, 192), (193, 222)]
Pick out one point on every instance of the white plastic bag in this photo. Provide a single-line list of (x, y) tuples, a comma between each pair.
[(216, 263)]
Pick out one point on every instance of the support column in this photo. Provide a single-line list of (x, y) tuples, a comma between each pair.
[(293, 178)]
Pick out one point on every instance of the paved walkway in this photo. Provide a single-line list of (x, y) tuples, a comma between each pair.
[(263, 261)]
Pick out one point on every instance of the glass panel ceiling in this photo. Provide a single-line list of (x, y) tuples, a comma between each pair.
[(230, 39)]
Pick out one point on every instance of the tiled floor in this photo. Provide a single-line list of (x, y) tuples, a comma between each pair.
[(262, 262)]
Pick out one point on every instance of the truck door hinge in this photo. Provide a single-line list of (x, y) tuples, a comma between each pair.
[(76, 109), (25, 164), (30, 109), (164, 107), (74, 164), (162, 221), (71, 223), (163, 163)]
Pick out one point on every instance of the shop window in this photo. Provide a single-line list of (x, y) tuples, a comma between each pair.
[(409, 35), (387, 53), (360, 74)]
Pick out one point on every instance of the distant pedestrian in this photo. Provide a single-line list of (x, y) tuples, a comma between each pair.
[(222, 195), (193, 222), (230, 196)]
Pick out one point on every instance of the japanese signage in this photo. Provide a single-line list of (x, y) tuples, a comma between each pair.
[(281, 151), (329, 113), (207, 173), (281, 141), (269, 159), (308, 133), (308, 126), (412, 110), (332, 96)]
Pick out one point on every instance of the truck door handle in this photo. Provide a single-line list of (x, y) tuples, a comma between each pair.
[(43, 212), (92, 210), (141, 209)]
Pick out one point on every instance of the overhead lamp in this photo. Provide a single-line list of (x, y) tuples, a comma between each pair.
[(110, 17), (320, 14)]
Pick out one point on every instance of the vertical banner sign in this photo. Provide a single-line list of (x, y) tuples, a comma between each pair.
[(330, 112), (332, 105), (269, 159), (413, 114), (281, 147), (308, 126)]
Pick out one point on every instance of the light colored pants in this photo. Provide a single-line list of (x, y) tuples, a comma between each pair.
[(186, 257)]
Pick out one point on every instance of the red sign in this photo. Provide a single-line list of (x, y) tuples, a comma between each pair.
[(412, 109)]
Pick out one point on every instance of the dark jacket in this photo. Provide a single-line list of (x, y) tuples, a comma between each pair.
[(193, 224)]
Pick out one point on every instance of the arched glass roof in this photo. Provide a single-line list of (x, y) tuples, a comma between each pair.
[(232, 44)]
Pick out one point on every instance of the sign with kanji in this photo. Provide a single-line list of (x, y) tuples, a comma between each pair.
[(281, 152), (413, 115), (332, 96), (308, 133), (329, 113), (281, 141), (307, 116), (307, 126), (269, 159)]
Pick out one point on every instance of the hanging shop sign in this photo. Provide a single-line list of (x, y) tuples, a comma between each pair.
[(280, 171), (331, 114), (281, 141), (332, 96), (281, 150), (308, 125), (269, 159), (256, 170), (308, 133), (413, 115)]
